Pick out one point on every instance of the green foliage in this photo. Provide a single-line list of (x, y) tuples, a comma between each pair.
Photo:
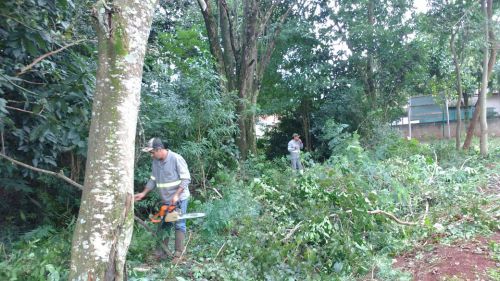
[(44, 111), (317, 226), (182, 104), (334, 138), (41, 254), (271, 224)]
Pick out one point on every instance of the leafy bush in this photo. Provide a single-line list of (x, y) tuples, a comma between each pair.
[(41, 254), (317, 226), (271, 224)]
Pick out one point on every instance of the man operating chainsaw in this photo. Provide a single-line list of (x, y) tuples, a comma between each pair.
[(170, 175)]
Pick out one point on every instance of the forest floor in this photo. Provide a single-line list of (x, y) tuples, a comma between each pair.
[(470, 259), (463, 260)]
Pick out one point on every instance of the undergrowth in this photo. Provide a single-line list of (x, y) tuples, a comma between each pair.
[(272, 224)]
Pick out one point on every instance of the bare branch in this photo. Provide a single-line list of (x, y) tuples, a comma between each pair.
[(80, 187), (218, 193), (20, 22), (391, 216), (59, 175), (22, 110), (220, 250), (24, 89), (290, 234), (2, 140), (37, 60), (426, 211), (266, 18)]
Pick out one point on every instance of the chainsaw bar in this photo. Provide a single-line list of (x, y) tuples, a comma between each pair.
[(191, 216)]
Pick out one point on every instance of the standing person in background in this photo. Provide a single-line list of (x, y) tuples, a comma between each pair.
[(170, 175), (294, 147)]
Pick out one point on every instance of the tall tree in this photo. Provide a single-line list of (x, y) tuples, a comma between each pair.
[(297, 76), (491, 63), (376, 34), (458, 23), (242, 38), (104, 227), (458, 81), (484, 83)]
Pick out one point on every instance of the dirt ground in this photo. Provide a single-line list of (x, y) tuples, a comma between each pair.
[(464, 260)]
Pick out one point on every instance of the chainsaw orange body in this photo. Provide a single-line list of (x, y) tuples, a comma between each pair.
[(164, 210)]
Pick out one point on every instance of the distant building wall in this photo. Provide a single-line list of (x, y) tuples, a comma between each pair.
[(438, 130), (429, 119)]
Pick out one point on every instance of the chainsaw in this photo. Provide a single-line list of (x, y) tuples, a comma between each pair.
[(171, 213)]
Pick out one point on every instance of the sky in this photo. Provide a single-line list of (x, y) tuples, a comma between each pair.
[(421, 5)]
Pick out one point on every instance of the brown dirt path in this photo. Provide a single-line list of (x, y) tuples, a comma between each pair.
[(464, 260)]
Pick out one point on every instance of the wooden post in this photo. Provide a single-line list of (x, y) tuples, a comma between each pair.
[(409, 118), (447, 117)]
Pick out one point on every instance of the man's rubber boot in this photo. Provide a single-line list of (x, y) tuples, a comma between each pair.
[(179, 245)]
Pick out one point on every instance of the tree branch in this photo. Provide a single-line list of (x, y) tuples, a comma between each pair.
[(37, 60), (231, 28), (2, 140), (24, 89), (21, 23), (203, 5), (391, 216), (59, 175), (266, 18), (290, 234), (213, 39), (264, 62), (22, 110), (80, 187)]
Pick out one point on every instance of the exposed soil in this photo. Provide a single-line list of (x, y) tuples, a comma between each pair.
[(464, 260)]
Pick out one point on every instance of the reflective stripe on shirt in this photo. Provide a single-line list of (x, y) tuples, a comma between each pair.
[(168, 184)]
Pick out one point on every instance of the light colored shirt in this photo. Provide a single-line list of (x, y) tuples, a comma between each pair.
[(167, 175), (294, 148)]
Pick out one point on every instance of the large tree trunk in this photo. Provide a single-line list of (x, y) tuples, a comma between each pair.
[(459, 91), (246, 78), (491, 64), (104, 226)]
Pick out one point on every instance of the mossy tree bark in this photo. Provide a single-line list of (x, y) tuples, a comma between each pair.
[(104, 227)]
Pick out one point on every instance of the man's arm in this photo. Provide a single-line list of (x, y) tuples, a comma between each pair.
[(184, 176), (147, 188)]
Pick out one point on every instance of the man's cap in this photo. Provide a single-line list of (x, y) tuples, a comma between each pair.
[(295, 135), (153, 143)]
